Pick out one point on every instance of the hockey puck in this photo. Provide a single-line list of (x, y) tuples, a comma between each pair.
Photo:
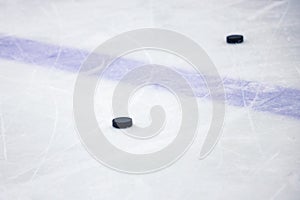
[(233, 39), (122, 122)]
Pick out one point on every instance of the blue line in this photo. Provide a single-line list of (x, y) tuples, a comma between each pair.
[(261, 97)]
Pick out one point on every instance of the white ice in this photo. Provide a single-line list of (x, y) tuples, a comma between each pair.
[(257, 157)]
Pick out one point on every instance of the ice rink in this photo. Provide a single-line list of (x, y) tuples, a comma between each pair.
[(42, 46)]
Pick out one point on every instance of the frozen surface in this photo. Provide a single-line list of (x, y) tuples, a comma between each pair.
[(42, 45)]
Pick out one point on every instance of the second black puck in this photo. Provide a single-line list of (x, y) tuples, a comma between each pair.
[(233, 39)]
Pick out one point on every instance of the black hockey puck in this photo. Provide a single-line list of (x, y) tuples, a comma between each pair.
[(233, 39), (122, 122)]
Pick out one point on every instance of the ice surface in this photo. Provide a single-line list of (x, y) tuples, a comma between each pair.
[(42, 45)]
